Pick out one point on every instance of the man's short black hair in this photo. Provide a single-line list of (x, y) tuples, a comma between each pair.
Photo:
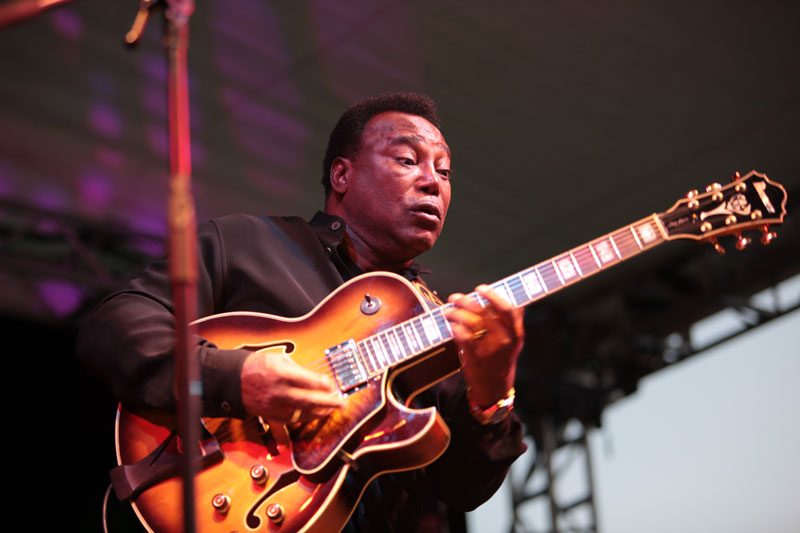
[(345, 139)]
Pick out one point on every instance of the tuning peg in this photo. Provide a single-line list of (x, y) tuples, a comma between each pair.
[(767, 236), (717, 246), (735, 176), (692, 196), (713, 187), (742, 242)]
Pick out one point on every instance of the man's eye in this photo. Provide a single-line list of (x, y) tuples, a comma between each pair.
[(406, 161), (445, 172)]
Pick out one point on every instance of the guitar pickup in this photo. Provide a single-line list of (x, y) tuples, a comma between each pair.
[(345, 363)]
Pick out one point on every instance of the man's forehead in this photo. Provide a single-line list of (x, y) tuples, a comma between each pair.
[(395, 126)]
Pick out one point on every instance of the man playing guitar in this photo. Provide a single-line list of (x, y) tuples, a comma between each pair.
[(387, 182)]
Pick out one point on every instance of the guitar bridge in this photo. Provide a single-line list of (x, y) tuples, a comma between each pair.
[(346, 365)]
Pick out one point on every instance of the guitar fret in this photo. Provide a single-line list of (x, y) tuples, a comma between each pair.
[(557, 271), (626, 246), (596, 259), (614, 244), (518, 291), (382, 363), (646, 233), (531, 283), (576, 265), (548, 276), (391, 337), (605, 249), (480, 299), (407, 350), (566, 265), (502, 291), (660, 225), (443, 324), (420, 330), (371, 367), (431, 331), (586, 261), (541, 279), (412, 336), (636, 237), (387, 348)]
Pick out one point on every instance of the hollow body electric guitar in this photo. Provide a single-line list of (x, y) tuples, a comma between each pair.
[(377, 339)]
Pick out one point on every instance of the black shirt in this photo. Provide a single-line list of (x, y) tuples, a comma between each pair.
[(282, 266)]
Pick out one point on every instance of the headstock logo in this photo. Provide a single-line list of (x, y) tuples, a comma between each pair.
[(737, 205)]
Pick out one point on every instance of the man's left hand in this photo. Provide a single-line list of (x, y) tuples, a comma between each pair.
[(490, 338)]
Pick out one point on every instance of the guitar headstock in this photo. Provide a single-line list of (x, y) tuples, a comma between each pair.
[(748, 202)]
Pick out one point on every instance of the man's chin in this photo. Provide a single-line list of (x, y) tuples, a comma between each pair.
[(421, 240)]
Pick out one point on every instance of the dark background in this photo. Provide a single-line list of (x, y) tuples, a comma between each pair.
[(567, 120)]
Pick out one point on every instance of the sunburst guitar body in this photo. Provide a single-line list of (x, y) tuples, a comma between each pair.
[(255, 480)]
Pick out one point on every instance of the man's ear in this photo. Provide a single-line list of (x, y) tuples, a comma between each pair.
[(340, 174)]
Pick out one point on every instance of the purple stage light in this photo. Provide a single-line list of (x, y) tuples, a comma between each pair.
[(94, 191), (105, 120), (67, 23), (62, 298)]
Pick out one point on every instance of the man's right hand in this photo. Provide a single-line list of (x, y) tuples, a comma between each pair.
[(276, 388)]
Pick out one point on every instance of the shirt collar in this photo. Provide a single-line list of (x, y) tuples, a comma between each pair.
[(330, 231)]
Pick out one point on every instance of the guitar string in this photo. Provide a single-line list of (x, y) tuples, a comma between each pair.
[(625, 242)]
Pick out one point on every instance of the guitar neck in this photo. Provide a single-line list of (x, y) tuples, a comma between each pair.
[(406, 340)]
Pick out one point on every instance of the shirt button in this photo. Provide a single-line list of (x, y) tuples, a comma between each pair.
[(225, 406), (336, 225)]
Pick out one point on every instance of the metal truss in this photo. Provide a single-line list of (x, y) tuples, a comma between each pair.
[(560, 439), (562, 450)]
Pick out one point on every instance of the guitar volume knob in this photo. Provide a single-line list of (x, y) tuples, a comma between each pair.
[(221, 503), (259, 474), (275, 513)]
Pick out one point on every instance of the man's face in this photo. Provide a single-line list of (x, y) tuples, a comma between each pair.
[(398, 188)]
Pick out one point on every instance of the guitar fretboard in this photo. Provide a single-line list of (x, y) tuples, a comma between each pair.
[(356, 362)]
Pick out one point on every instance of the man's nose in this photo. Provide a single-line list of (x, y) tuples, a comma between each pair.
[(429, 179)]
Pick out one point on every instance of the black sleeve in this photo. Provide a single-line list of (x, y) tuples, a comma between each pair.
[(476, 462), (128, 341)]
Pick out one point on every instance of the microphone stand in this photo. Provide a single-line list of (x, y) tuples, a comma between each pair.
[(182, 241), (180, 221)]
